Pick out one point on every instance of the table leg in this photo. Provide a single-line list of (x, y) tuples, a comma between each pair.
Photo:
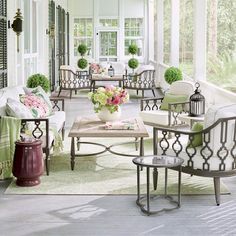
[(72, 153), (93, 86), (138, 183), (148, 193), (155, 178), (141, 153), (136, 144), (179, 187), (154, 141), (166, 178)]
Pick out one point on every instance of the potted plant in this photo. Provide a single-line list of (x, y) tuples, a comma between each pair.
[(133, 62), (173, 74), (82, 62), (39, 80)]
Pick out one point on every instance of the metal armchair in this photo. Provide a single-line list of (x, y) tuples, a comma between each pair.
[(215, 158), (143, 79), (71, 80), (153, 115)]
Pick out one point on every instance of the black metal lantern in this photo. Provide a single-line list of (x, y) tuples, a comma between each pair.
[(197, 103), (17, 26), (111, 71)]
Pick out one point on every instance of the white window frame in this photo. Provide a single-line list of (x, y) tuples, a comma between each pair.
[(83, 37)]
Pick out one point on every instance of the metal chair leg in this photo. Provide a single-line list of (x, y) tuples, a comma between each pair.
[(217, 189)]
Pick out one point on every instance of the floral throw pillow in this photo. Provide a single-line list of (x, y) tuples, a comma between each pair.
[(95, 68), (38, 91), (37, 105)]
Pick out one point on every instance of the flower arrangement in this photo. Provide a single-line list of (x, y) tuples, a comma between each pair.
[(110, 97)]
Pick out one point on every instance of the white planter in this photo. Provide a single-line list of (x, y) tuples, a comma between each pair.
[(105, 115)]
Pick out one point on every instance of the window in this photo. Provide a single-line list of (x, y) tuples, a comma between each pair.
[(83, 33), (221, 35), (167, 30), (186, 37), (108, 22), (134, 34)]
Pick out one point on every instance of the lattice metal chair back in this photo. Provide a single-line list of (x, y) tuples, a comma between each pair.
[(144, 80), (71, 80), (216, 157)]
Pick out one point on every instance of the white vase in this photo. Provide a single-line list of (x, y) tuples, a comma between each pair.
[(105, 115)]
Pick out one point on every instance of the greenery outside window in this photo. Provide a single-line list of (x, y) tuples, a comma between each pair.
[(134, 34), (167, 30), (221, 44), (186, 37), (83, 33)]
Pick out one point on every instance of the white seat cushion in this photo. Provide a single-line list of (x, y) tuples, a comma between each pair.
[(57, 120), (159, 117), (182, 87), (143, 68)]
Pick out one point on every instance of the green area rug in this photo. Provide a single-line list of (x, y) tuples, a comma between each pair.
[(108, 174)]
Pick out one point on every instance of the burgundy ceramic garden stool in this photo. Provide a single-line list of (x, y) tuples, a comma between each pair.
[(28, 163)]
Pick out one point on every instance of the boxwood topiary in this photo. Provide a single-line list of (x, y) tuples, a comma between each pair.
[(173, 74), (133, 63), (82, 49), (82, 63), (133, 49), (39, 80)]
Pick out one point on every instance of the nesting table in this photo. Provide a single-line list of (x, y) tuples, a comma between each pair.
[(156, 162), (92, 127)]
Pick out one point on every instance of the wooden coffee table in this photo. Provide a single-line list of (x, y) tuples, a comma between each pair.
[(92, 127)]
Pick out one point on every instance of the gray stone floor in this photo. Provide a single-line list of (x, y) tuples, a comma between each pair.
[(112, 215)]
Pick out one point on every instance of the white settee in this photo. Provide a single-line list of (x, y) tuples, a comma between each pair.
[(42, 128)]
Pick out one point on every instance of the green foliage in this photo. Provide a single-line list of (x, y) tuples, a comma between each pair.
[(173, 74), (82, 63), (38, 80), (82, 49), (133, 49), (133, 63)]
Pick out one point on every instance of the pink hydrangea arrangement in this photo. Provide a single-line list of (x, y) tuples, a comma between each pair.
[(110, 97)]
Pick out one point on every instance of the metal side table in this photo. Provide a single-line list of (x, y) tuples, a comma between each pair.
[(156, 162)]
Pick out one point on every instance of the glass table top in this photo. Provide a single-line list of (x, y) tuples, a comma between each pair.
[(158, 161)]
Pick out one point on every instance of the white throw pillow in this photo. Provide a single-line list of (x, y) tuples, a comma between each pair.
[(17, 109)]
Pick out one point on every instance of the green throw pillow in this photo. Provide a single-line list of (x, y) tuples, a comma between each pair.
[(197, 138), (172, 98)]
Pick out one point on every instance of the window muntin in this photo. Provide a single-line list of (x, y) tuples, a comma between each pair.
[(134, 34), (83, 33)]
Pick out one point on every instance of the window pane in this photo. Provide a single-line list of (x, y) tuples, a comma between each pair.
[(167, 25), (34, 27), (186, 37), (26, 23), (133, 33), (221, 54), (83, 33)]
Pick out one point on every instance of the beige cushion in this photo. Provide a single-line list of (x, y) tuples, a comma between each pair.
[(212, 115), (158, 117), (182, 87), (143, 68)]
